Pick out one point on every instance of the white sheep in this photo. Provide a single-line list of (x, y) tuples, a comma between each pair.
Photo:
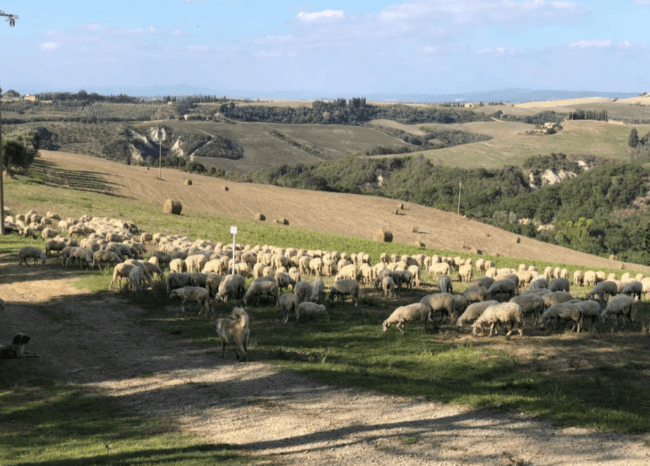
[(413, 313), (619, 305), (388, 287), (562, 311), (316, 290), (604, 290), (475, 294), (559, 284), (136, 277), (309, 308), (32, 252), (441, 268), (81, 255), (54, 245), (121, 271), (177, 266), (443, 302), (502, 287), (345, 287), (104, 256), (578, 277), (232, 286), (193, 294), (303, 291), (473, 312), (178, 280), (234, 329), (556, 297), (530, 304), (289, 303), (261, 288), (633, 289), (504, 313)]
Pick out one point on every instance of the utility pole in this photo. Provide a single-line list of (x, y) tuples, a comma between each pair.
[(159, 153), (12, 22), (460, 186)]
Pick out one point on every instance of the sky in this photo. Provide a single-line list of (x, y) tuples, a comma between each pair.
[(334, 47)]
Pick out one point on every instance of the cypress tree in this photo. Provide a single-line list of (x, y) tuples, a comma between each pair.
[(633, 140)]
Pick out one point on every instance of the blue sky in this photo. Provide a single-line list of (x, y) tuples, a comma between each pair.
[(334, 47)]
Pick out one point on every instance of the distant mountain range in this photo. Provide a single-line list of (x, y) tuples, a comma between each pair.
[(498, 95)]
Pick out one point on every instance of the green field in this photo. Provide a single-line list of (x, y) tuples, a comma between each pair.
[(593, 379)]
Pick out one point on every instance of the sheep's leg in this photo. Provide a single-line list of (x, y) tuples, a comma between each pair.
[(182, 305), (492, 328), (223, 349)]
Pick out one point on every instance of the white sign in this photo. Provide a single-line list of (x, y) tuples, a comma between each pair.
[(233, 230)]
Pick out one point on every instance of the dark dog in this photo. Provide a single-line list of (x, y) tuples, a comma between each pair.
[(16, 349)]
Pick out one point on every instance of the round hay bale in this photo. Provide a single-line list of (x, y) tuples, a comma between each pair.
[(476, 251), (415, 229), (612, 257), (621, 266), (418, 244), (400, 206), (516, 240), (187, 181), (225, 188), (282, 221), (260, 217), (382, 236), (396, 211), (172, 207)]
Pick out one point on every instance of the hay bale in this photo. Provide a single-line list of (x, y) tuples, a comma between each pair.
[(382, 236), (400, 206), (621, 266), (612, 257), (397, 212), (188, 182), (260, 217), (225, 188), (282, 221), (475, 251), (415, 229), (172, 207), (516, 240), (418, 244)]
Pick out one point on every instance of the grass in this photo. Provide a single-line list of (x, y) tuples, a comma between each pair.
[(538, 375), (47, 422)]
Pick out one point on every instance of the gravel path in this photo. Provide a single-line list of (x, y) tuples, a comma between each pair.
[(286, 417)]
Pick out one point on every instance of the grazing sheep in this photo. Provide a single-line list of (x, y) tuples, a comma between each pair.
[(443, 302), (261, 288), (178, 280), (284, 280), (441, 268), (444, 284), (530, 304), (163, 258), (612, 277), (195, 263), (559, 284), (504, 313), (388, 287), (480, 265), (212, 283), (309, 308), (556, 297), (633, 289), (32, 252), (484, 281), (342, 288), (473, 312), (120, 271), (80, 255), (502, 287), (136, 277), (465, 273), (600, 276), (619, 305), (603, 290), (317, 289), (460, 303), (193, 294), (232, 286), (475, 294), (589, 278), (49, 233), (302, 291), (413, 313), (54, 245), (177, 266), (540, 283), (234, 329), (289, 303), (548, 273), (578, 277), (104, 256), (562, 311), (590, 309)]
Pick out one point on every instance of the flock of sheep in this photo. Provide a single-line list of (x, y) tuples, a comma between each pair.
[(203, 272)]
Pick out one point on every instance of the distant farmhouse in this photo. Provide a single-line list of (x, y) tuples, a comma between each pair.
[(31, 97)]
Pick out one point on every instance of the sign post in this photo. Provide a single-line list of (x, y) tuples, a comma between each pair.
[(233, 231)]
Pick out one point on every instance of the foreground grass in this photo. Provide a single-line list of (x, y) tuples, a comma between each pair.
[(45, 422)]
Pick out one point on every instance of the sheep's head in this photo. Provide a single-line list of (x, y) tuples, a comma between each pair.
[(173, 294), (386, 325)]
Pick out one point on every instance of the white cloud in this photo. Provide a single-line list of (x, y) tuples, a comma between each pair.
[(324, 15), (272, 39), (482, 11), (49, 46), (198, 48), (430, 49), (600, 43), (267, 54)]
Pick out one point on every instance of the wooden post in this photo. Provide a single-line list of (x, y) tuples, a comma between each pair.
[(460, 186)]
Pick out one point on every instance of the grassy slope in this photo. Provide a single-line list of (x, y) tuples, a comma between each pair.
[(348, 347), (510, 146)]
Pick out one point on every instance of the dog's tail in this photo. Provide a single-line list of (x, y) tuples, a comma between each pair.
[(241, 317)]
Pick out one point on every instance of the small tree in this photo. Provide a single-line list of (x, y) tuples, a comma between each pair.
[(633, 140), (19, 150)]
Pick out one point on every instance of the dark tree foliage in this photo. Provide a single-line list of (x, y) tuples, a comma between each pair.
[(633, 140), (19, 149)]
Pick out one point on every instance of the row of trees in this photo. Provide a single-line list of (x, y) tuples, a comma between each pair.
[(588, 115)]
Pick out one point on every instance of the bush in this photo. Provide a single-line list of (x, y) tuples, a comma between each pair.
[(19, 149)]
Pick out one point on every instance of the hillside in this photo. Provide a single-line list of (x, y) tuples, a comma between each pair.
[(342, 214)]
